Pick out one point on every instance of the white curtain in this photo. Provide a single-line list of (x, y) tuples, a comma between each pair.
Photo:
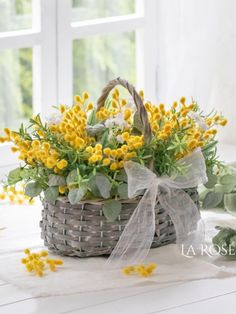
[(197, 55)]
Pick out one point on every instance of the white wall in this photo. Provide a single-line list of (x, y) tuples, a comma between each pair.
[(197, 55)]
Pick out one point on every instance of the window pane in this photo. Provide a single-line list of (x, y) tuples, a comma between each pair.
[(93, 9), (15, 87), (102, 58), (15, 15)]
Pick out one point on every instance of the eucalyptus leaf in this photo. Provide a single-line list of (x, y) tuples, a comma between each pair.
[(212, 180), (14, 176), (72, 177), (94, 130), (56, 180), (123, 190), (93, 187), (138, 125), (122, 176), (51, 194), (230, 202), (103, 184), (104, 137), (32, 189), (212, 199), (111, 209), (76, 195), (228, 179), (226, 188)]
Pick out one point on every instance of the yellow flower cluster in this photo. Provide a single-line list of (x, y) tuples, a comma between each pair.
[(117, 106), (72, 126), (115, 158), (38, 263), (15, 195), (141, 270), (177, 120)]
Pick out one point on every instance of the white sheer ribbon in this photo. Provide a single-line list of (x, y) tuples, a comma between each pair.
[(136, 239)]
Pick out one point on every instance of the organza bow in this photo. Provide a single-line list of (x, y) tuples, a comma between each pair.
[(136, 239)]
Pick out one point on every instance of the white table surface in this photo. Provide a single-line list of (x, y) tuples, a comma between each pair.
[(202, 296)]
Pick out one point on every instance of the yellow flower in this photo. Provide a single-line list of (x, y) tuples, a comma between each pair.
[(123, 102), (62, 108), (35, 144), (107, 151), (89, 149), (85, 95), (182, 100), (77, 99), (62, 164), (192, 144), (106, 162), (141, 94), (98, 147), (90, 106), (127, 113), (14, 149), (125, 136), (62, 189), (223, 122), (113, 166)]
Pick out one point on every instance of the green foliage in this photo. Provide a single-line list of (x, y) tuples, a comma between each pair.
[(33, 189), (212, 199), (123, 190), (14, 176), (225, 241), (221, 186), (111, 209), (103, 184), (56, 180), (76, 195), (51, 194)]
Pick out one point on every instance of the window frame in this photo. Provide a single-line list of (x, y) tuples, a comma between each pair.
[(51, 39)]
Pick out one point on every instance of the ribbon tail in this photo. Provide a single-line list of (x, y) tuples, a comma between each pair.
[(185, 215), (136, 239)]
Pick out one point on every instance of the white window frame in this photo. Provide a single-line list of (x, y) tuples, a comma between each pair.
[(51, 38)]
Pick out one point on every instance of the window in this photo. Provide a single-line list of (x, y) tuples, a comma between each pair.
[(50, 50)]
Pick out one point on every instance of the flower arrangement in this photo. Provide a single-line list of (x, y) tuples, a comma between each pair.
[(80, 151)]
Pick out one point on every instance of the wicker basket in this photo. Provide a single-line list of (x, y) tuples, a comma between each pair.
[(82, 230)]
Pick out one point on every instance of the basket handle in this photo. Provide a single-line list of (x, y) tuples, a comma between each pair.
[(137, 100)]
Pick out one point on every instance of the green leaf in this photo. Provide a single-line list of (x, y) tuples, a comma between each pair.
[(14, 176), (138, 126), (230, 202), (224, 188), (212, 180), (103, 185), (27, 173), (228, 179), (111, 209), (122, 176), (92, 118), (51, 194), (95, 130), (212, 199), (32, 189), (104, 137), (72, 177), (93, 187), (55, 180), (76, 195), (123, 190)]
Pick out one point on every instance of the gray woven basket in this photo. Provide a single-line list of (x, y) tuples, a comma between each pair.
[(82, 230)]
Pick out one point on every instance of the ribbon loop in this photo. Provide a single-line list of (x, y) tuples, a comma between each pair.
[(136, 239)]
